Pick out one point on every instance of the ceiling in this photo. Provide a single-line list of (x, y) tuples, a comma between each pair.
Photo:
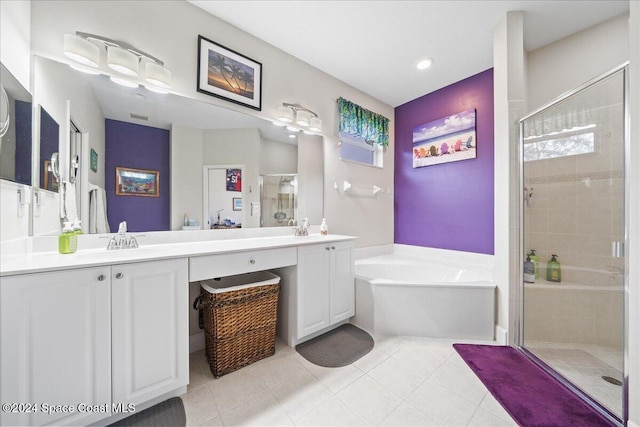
[(375, 45)]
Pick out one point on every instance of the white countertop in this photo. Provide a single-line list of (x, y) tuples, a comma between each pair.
[(34, 262)]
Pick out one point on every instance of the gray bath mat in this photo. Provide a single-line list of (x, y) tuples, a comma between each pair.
[(339, 347), (167, 413)]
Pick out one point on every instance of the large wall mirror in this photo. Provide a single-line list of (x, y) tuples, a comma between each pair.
[(162, 161), (15, 130)]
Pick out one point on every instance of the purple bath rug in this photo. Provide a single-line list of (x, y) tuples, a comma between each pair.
[(532, 397)]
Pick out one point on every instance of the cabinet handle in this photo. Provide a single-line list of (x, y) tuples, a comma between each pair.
[(252, 261), (119, 275), (333, 248), (327, 248), (101, 277)]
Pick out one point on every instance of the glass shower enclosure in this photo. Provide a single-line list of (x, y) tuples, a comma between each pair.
[(572, 240), (278, 200)]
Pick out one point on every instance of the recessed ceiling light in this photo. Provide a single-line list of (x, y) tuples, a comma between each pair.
[(425, 63)]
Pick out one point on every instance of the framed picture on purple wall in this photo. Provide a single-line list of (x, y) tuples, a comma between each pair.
[(445, 140), (229, 75), (137, 182)]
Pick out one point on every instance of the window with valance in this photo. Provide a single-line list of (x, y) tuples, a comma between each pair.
[(363, 133)]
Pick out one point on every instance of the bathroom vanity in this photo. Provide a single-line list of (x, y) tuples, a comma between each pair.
[(89, 334)]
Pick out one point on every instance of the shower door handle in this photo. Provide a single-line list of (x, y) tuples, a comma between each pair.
[(617, 249)]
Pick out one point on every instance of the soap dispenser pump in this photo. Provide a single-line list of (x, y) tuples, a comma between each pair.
[(529, 271), (67, 241), (534, 259), (554, 273)]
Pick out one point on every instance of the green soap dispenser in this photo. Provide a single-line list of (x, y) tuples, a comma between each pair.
[(534, 259), (67, 241), (554, 274)]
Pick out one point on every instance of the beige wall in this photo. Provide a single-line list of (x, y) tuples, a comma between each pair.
[(567, 63), (285, 79)]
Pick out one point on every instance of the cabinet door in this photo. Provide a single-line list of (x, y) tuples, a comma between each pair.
[(55, 345), (342, 287), (150, 329), (313, 288)]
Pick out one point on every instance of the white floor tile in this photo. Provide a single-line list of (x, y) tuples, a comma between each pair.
[(460, 380), (369, 400), (490, 404), (484, 418), (273, 371), (300, 397), (421, 358), (442, 405), (406, 415), (335, 379), (262, 410), (331, 413), (371, 359), (393, 375), (199, 406), (235, 388)]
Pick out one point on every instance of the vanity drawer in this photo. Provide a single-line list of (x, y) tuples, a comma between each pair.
[(211, 266)]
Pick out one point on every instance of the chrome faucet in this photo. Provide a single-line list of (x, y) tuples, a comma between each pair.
[(120, 240), (303, 228)]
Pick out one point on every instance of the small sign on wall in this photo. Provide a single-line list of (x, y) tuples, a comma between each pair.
[(234, 179), (445, 140)]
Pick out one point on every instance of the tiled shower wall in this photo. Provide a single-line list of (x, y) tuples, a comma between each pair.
[(576, 212)]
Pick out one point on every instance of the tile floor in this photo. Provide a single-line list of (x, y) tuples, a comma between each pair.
[(584, 365), (401, 382)]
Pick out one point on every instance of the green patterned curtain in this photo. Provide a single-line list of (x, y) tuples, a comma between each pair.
[(359, 122)]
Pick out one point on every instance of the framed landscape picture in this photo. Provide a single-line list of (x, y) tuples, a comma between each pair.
[(445, 140), (229, 75), (137, 182)]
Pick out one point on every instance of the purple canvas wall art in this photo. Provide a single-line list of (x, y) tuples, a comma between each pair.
[(450, 205)]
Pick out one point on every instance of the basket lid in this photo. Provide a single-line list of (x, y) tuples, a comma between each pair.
[(239, 281)]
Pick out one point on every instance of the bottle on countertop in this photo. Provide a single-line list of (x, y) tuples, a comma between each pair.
[(529, 270), (324, 228), (67, 241), (554, 273), (534, 259), (185, 220), (77, 227)]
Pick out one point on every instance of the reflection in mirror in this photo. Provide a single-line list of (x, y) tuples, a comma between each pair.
[(15, 130), (278, 200), (49, 159), (172, 135)]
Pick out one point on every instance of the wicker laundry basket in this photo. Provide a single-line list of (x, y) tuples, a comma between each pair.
[(239, 319)]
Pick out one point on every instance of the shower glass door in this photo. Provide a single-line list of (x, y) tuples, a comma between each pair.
[(573, 210)]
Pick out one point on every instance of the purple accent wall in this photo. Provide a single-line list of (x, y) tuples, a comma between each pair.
[(446, 206), (24, 142), (140, 147), (49, 141)]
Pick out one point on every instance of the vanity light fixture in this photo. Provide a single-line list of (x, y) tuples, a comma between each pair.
[(122, 61), (299, 116), (81, 50), (134, 66)]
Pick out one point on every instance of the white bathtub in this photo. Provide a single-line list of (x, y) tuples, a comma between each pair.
[(412, 297)]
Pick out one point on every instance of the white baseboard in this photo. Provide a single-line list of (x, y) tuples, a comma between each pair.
[(502, 335), (196, 342)]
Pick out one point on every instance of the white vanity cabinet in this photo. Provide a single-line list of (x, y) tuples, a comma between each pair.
[(325, 286), (150, 329), (101, 337), (55, 345)]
